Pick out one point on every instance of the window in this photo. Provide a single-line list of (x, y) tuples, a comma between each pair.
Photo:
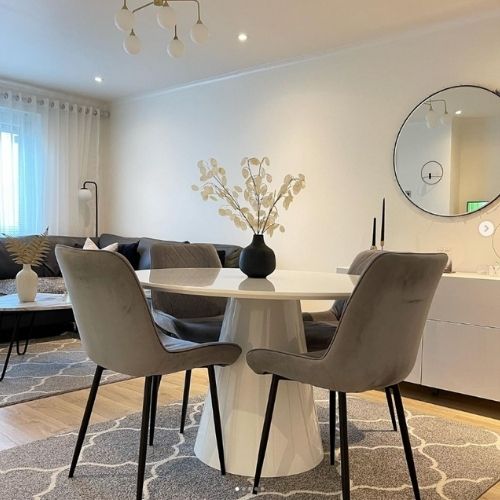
[(9, 182), (21, 172)]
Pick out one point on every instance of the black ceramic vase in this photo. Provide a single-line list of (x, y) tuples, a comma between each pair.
[(257, 260)]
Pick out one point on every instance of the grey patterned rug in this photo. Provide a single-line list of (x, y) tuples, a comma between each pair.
[(453, 462), (50, 366)]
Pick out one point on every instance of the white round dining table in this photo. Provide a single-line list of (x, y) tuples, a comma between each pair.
[(259, 313)]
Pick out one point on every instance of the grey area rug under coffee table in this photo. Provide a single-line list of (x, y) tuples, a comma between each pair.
[(50, 366), (453, 462)]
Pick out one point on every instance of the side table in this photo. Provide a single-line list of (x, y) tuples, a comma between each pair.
[(9, 304)]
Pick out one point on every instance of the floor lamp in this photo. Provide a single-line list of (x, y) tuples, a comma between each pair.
[(85, 194)]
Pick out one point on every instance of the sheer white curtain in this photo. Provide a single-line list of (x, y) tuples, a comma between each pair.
[(21, 172), (57, 148)]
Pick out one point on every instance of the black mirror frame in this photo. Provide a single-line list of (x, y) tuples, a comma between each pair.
[(489, 204)]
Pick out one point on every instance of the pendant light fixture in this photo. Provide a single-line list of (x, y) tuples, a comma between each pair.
[(167, 19)]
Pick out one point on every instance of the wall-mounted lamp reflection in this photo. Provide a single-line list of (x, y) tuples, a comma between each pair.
[(432, 117), (85, 194)]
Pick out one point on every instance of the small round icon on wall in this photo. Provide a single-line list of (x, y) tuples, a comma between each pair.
[(486, 228)]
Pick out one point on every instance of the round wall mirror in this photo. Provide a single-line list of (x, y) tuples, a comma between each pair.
[(447, 152)]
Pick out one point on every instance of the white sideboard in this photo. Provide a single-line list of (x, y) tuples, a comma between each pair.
[(460, 349)]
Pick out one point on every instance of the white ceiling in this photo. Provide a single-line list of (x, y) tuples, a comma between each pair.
[(63, 44)]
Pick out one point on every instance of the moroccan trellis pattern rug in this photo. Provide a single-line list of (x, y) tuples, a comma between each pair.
[(453, 462), (50, 366)]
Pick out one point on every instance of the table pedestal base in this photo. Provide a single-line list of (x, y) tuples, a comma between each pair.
[(294, 442)]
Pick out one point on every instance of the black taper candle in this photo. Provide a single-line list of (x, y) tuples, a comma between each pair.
[(382, 230), (374, 234)]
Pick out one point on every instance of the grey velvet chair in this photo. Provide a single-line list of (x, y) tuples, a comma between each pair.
[(375, 346), (320, 328), (118, 333), (193, 318)]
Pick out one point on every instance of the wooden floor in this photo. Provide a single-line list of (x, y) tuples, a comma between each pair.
[(26, 422)]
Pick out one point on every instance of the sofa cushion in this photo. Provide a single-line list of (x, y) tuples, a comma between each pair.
[(129, 251), (90, 245)]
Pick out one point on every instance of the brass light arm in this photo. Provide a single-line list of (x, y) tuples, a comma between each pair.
[(161, 3)]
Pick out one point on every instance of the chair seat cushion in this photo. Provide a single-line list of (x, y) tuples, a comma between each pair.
[(191, 355), (191, 329), (319, 334)]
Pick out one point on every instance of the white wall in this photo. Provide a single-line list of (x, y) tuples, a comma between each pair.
[(334, 118), (478, 158)]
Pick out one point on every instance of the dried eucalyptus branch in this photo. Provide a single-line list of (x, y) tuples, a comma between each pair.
[(260, 213)]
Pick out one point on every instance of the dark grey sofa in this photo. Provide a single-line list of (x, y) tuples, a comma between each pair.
[(50, 323)]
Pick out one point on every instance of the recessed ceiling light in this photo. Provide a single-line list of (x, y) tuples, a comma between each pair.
[(98, 79), (242, 37), (459, 112)]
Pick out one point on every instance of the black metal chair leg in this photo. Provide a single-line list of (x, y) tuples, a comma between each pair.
[(390, 404), (143, 446), (9, 350), (185, 399), (344, 447), (28, 335), (217, 422), (154, 404), (86, 418), (265, 431), (406, 440), (333, 413)]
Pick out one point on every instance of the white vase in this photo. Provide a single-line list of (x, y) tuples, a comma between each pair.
[(26, 284)]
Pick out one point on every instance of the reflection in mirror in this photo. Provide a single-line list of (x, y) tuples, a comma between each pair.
[(447, 154)]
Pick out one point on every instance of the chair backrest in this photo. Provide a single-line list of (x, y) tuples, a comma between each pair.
[(357, 267), (111, 311), (379, 334), (193, 255)]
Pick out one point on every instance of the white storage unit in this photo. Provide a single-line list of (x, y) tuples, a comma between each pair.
[(461, 343)]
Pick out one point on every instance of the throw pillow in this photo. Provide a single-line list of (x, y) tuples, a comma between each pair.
[(129, 251), (90, 245), (222, 256)]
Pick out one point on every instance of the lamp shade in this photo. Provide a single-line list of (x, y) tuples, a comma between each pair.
[(446, 119), (166, 17), (199, 32), (124, 19), (175, 48), (84, 194), (431, 118), (132, 44)]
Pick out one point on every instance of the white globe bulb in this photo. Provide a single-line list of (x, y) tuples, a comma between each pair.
[(166, 17), (124, 20), (175, 48), (84, 194), (199, 33), (431, 118), (132, 44), (446, 119)]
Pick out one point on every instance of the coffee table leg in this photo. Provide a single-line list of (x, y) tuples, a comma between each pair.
[(28, 335), (12, 339)]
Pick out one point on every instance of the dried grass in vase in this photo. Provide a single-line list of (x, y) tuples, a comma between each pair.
[(32, 251), (259, 209)]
